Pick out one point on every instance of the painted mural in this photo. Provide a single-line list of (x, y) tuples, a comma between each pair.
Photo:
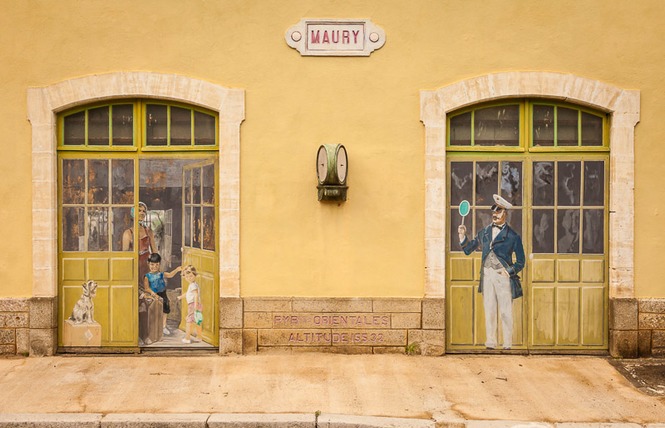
[(170, 232), (181, 196), (531, 274), (499, 279)]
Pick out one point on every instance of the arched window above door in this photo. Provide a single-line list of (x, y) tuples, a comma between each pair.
[(527, 124), (143, 125)]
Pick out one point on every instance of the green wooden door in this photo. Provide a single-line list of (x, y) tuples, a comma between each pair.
[(560, 211), (475, 180), (96, 196), (568, 264), (199, 240), (100, 181)]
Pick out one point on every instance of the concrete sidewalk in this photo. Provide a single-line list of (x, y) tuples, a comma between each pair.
[(314, 389)]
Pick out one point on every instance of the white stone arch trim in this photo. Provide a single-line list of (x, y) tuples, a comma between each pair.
[(45, 102), (622, 104)]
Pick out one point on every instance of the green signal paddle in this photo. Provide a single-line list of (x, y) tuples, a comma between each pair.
[(464, 209)]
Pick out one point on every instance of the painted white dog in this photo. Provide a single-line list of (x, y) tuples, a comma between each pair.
[(84, 310)]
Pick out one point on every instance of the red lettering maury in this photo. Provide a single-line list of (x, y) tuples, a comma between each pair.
[(333, 36)]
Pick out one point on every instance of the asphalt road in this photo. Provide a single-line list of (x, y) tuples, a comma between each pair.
[(646, 374)]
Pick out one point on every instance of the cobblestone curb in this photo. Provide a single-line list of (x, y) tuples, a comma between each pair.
[(295, 420)]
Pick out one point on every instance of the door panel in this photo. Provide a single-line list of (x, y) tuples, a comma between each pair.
[(95, 203), (103, 313), (461, 269), (462, 298), (98, 268), (180, 196), (199, 241), (73, 269), (117, 296), (479, 319), (476, 181), (568, 270), (114, 302), (594, 312), (593, 271), (568, 315), (542, 270), (572, 191), (542, 320), (122, 269), (206, 281), (518, 322)]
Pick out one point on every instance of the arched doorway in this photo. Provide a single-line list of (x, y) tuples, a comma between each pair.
[(550, 161), (623, 109), (43, 106)]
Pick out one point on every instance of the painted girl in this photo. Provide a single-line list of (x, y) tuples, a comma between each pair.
[(194, 306)]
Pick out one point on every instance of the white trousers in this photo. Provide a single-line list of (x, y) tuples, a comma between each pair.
[(497, 294)]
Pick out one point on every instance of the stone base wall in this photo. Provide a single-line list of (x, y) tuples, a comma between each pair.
[(651, 324), (348, 326), (28, 326), (637, 328)]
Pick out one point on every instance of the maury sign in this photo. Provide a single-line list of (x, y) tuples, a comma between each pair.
[(335, 37)]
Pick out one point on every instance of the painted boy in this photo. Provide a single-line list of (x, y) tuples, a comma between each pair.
[(155, 286)]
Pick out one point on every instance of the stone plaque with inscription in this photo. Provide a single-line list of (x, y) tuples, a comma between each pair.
[(332, 329), (335, 37), (330, 320), (328, 337)]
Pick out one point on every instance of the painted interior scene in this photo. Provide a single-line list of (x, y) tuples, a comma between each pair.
[(173, 239), (178, 198)]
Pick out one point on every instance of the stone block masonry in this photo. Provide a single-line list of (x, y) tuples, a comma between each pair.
[(341, 325), (637, 328), (28, 326), (14, 326), (651, 328)]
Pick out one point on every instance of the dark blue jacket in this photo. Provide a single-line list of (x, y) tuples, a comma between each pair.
[(506, 243)]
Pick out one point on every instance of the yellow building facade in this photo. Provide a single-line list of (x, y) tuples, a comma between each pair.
[(211, 115)]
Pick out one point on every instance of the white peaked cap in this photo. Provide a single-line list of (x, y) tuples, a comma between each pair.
[(502, 202)]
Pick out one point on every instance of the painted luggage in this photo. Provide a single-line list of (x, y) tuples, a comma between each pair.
[(150, 320)]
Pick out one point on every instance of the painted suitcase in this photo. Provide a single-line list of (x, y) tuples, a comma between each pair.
[(150, 320)]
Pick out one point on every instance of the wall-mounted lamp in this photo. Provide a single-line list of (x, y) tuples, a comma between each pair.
[(332, 168)]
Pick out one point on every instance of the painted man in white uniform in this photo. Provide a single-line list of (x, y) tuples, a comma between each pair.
[(499, 282)]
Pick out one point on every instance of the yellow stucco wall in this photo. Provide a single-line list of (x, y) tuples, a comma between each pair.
[(372, 245)]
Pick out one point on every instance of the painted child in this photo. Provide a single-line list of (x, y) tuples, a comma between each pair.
[(155, 286), (193, 297)]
